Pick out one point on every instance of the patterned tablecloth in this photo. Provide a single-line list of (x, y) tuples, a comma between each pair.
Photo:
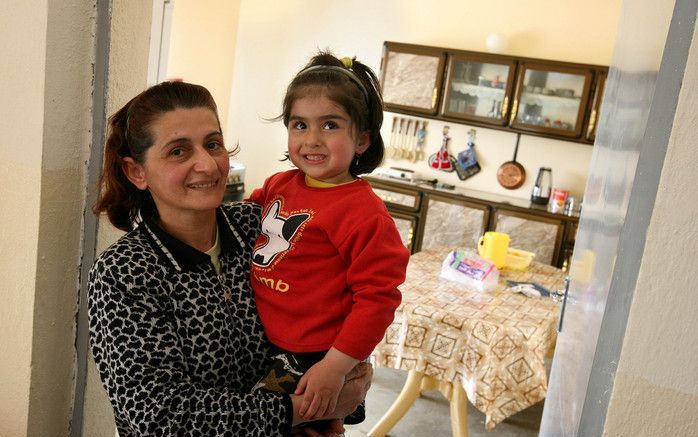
[(493, 343)]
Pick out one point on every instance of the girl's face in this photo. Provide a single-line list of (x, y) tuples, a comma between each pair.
[(187, 166), (322, 139)]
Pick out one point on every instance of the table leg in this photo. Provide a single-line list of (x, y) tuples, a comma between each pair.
[(459, 412), (404, 401)]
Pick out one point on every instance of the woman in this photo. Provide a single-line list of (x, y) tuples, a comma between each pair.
[(174, 327)]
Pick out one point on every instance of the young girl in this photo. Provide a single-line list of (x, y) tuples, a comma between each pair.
[(328, 262)]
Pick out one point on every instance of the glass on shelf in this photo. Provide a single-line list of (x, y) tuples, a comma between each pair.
[(477, 89), (551, 99)]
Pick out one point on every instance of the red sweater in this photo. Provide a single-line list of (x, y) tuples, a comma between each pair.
[(327, 265)]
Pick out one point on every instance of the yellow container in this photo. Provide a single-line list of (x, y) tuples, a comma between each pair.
[(518, 259), (493, 246)]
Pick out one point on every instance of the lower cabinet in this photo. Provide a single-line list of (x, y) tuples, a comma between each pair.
[(428, 218), (452, 222), (540, 235), (406, 225)]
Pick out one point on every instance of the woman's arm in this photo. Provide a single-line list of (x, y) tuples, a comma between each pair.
[(136, 346)]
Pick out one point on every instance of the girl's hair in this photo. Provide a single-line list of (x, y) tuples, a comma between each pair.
[(130, 136), (353, 86)]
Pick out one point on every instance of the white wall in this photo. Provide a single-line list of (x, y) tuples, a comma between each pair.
[(202, 46), (655, 390), (275, 39), (20, 189), (45, 119)]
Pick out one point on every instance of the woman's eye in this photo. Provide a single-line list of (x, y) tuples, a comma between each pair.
[(177, 151), (213, 145)]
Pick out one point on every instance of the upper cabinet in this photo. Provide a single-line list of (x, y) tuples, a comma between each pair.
[(411, 77), (551, 99), (596, 105), (478, 88), (535, 96)]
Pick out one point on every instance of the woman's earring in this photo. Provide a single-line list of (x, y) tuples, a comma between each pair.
[(356, 159)]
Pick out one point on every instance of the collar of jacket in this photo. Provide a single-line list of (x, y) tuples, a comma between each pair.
[(183, 256)]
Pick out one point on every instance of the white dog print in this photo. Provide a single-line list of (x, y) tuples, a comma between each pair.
[(279, 232)]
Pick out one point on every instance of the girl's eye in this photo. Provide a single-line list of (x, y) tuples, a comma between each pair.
[(298, 125), (330, 125)]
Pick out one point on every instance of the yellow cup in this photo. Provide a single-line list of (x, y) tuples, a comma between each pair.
[(493, 246)]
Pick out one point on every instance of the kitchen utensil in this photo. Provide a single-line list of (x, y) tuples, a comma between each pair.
[(398, 140), (393, 135), (442, 160), (494, 246), (412, 142), (421, 138), (466, 161), (404, 140), (543, 186), (511, 175)]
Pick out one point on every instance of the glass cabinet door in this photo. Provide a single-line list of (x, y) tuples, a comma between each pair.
[(478, 88), (596, 105), (551, 99)]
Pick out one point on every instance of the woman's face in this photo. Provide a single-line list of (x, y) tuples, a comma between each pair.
[(187, 166)]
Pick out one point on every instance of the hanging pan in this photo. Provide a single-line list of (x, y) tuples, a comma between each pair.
[(511, 175)]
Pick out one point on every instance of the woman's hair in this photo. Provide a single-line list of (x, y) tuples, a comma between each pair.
[(130, 135), (351, 85)]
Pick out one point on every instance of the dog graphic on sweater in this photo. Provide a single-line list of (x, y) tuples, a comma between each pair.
[(279, 232)]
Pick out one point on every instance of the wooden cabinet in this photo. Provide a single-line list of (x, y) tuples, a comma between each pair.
[(535, 96), (427, 218), (412, 77), (596, 105), (449, 221), (478, 88), (540, 235), (551, 99)]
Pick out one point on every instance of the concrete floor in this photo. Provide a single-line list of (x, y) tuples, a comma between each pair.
[(430, 416)]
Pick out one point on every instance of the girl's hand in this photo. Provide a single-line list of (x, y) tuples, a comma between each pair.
[(358, 381), (321, 385)]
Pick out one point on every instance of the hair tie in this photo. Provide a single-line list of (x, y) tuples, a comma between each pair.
[(348, 62)]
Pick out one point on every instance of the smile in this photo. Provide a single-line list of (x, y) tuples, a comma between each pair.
[(314, 157), (203, 185)]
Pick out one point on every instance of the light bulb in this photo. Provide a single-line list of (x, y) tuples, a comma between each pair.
[(496, 42)]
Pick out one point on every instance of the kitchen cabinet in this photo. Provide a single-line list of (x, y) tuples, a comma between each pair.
[(551, 99), (411, 77), (596, 105), (540, 235), (538, 97), (450, 221), (427, 217), (478, 88)]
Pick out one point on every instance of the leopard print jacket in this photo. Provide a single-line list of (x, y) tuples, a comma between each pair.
[(179, 348)]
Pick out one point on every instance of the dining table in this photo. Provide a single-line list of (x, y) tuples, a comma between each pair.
[(485, 347)]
